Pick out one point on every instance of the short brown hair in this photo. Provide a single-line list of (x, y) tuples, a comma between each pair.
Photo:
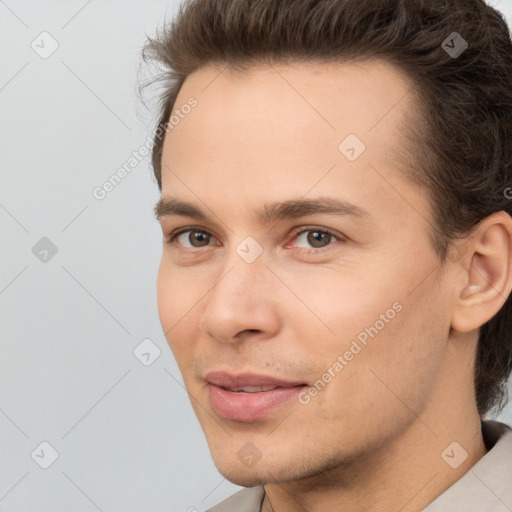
[(462, 133)]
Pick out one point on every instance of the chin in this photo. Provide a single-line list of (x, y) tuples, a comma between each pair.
[(245, 478), (262, 473)]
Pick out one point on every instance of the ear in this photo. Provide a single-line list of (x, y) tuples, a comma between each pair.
[(486, 273)]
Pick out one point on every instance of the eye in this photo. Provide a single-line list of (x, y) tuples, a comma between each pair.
[(315, 238), (307, 239), (191, 238)]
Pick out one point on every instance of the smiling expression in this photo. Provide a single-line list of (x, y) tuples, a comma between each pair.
[(284, 241)]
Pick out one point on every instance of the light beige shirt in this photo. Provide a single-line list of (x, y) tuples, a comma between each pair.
[(486, 487)]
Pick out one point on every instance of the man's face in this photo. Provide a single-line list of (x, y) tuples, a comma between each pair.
[(344, 312)]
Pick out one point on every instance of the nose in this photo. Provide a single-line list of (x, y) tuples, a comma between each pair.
[(242, 305)]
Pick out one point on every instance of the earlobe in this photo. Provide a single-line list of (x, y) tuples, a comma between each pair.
[(487, 270)]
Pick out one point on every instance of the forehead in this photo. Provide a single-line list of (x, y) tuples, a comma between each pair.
[(284, 110), (332, 94), (291, 125)]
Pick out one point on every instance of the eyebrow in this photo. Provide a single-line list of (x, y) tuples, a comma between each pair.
[(270, 212)]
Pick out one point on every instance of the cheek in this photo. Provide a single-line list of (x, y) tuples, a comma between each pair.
[(395, 370), (166, 296), (179, 291), (334, 306), (390, 332), (178, 298)]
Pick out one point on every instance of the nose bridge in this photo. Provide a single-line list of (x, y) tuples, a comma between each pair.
[(241, 299), (244, 272), (237, 284), (242, 284)]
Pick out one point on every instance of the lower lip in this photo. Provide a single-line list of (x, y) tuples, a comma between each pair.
[(249, 406)]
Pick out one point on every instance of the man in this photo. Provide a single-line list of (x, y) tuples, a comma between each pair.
[(336, 268)]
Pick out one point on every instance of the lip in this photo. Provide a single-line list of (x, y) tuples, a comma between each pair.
[(233, 381), (248, 407)]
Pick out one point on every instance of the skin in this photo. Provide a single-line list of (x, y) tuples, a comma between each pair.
[(372, 439)]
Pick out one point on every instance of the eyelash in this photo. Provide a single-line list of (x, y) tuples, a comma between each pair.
[(175, 234)]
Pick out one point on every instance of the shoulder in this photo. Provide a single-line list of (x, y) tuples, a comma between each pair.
[(246, 500), (487, 485)]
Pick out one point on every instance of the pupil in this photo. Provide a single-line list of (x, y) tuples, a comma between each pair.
[(196, 238), (316, 239)]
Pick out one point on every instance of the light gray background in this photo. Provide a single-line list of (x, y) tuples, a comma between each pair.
[(125, 433)]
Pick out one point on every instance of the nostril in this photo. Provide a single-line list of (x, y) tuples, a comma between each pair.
[(243, 333)]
